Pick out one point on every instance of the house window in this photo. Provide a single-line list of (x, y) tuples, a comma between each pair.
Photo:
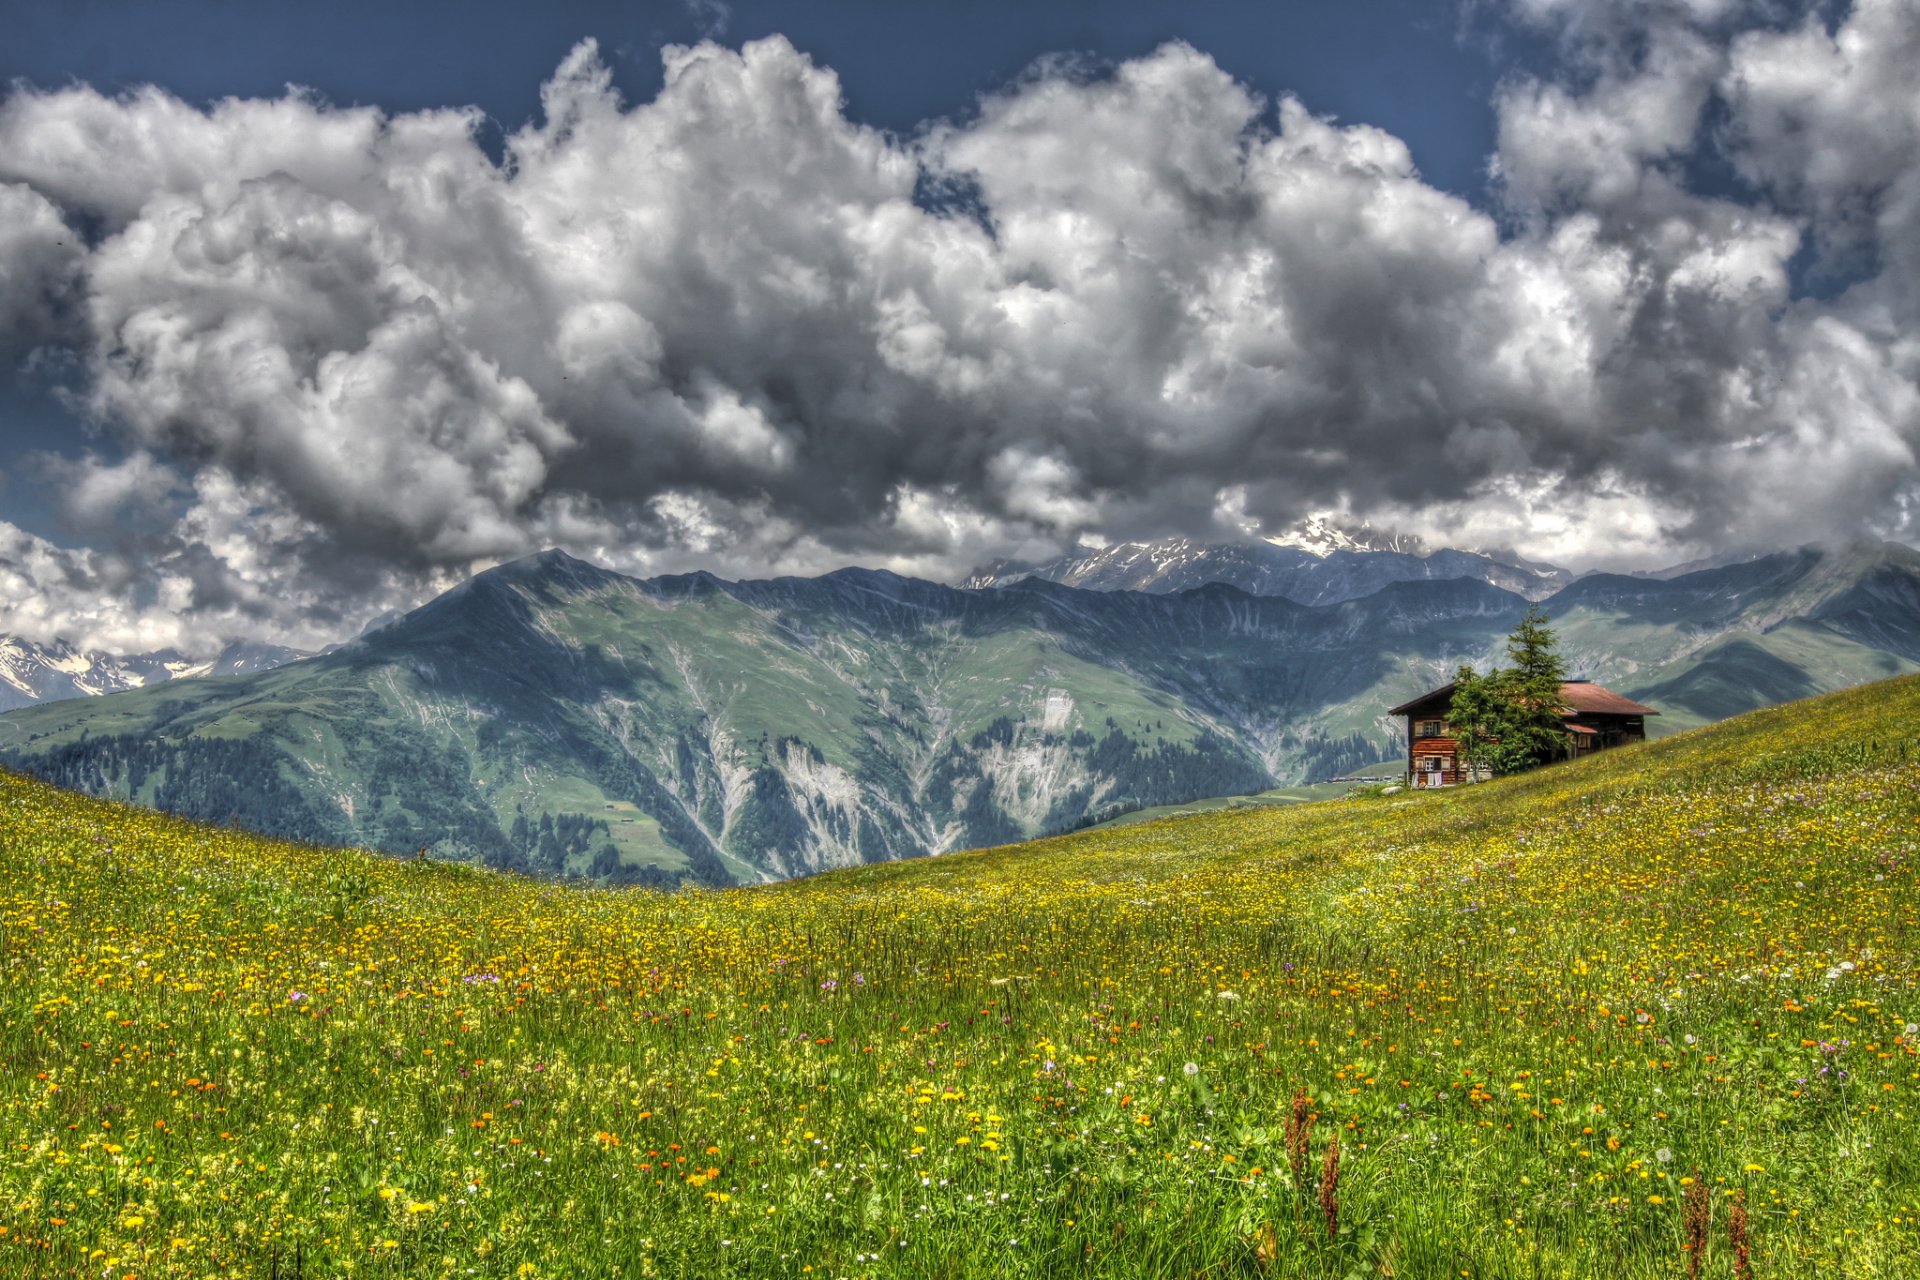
[(1433, 764), (1430, 729)]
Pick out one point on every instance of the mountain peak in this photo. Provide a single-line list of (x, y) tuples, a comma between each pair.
[(1321, 535)]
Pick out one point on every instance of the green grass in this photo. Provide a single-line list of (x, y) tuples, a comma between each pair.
[(1528, 1010), (1262, 799)]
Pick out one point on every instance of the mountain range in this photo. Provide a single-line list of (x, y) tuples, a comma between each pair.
[(32, 673), (1325, 566), (559, 718)]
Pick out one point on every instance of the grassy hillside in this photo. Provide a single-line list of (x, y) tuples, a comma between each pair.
[(1530, 1012)]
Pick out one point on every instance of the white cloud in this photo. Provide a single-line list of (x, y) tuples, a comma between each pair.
[(717, 329)]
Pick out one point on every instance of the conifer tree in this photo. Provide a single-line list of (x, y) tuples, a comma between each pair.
[(1510, 719)]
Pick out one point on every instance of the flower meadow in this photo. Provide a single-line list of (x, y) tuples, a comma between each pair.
[(1652, 1014)]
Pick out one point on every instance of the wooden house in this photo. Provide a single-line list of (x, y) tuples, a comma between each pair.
[(1596, 718)]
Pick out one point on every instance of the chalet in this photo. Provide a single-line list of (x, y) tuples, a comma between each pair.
[(1596, 718)]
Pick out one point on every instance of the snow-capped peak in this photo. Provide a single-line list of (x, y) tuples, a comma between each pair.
[(31, 672), (1321, 535)]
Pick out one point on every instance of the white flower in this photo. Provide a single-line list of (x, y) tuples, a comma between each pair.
[(1663, 1155), (1191, 1070)]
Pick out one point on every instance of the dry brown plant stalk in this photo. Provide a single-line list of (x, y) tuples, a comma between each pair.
[(1738, 1238), (1330, 1186), (1299, 1134), (1697, 1219)]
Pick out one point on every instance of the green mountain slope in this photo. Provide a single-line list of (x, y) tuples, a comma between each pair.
[(1547, 1021), (555, 717)]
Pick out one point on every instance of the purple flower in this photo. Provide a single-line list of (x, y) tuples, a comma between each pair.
[(295, 997), (829, 985)]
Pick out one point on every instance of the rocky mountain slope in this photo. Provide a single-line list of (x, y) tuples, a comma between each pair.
[(556, 717)]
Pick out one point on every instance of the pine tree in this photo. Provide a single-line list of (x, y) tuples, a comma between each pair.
[(1510, 719), (1531, 688), (1475, 717)]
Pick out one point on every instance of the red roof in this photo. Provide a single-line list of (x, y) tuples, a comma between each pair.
[(1584, 695), (1579, 696)]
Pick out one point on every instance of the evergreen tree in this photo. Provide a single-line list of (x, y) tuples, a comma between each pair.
[(1510, 720), (1531, 687), (1476, 718)]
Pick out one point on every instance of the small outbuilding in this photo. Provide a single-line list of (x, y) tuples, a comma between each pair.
[(1595, 717)]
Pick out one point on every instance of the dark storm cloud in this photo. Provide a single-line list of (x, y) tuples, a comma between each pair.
[(717, 328)]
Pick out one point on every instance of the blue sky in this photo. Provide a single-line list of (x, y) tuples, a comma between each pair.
[(1613, 283)]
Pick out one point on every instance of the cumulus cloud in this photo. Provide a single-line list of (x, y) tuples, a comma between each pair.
[(349, 357)]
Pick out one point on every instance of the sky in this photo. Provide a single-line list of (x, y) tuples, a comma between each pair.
[(308, 312)]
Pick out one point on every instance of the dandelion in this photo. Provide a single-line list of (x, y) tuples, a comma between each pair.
[(1191, 1070)]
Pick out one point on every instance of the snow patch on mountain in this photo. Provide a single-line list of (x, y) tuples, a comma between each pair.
[(1316, 562), (1322, 535), (32, 672)]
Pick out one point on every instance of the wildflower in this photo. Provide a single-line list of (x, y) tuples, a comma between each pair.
[(1191, 1070)]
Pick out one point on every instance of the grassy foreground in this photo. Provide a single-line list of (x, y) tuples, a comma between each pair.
[(1530, 1012)]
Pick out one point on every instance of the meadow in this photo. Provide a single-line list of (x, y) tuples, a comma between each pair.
[(1653, 1014)]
